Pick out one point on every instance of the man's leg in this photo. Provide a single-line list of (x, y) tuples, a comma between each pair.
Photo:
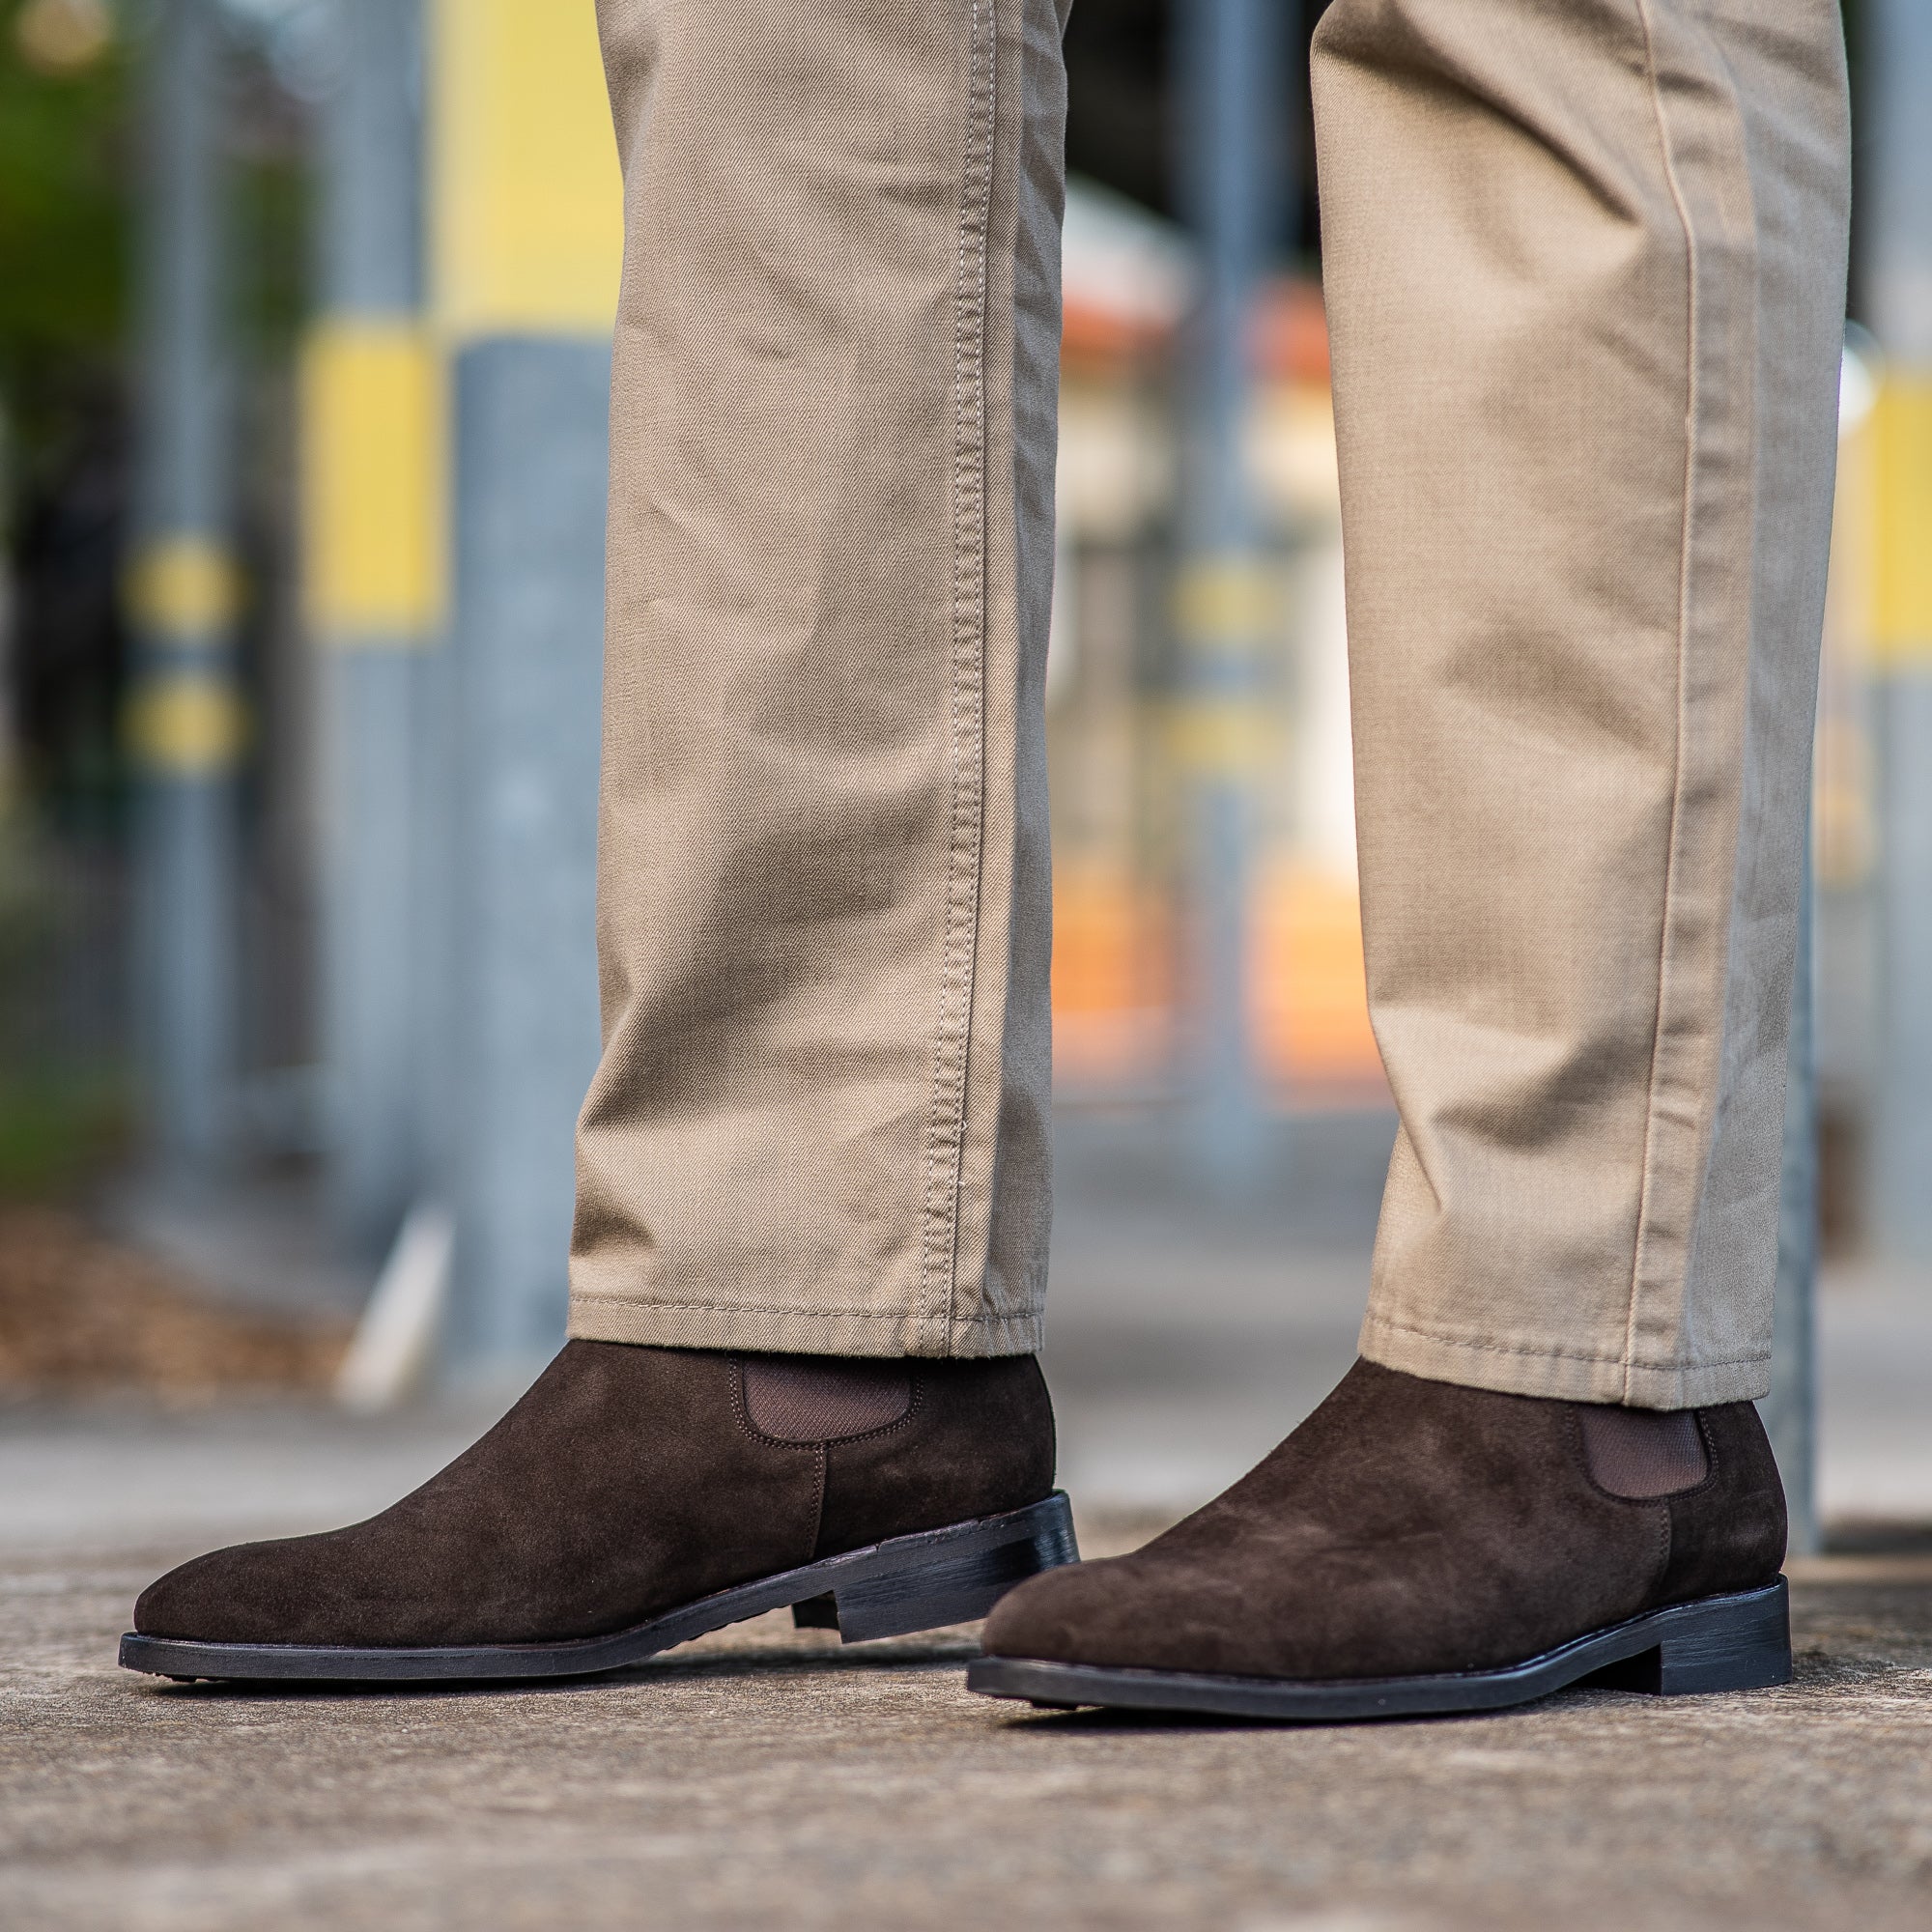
[(821, 1119), (819, 1131), (1587, 356), (1584, 263)]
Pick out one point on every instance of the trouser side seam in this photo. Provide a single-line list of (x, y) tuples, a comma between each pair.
[(1691, 400), (966, 678)]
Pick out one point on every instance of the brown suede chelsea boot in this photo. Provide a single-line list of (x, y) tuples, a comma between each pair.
[(1418, 1547), (636, 1497)]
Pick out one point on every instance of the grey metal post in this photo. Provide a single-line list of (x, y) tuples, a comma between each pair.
[(375, 676), (527, 638), (1792, 1409), (1229, 78), (1896, 212), (185, 721), (1901, 1141)]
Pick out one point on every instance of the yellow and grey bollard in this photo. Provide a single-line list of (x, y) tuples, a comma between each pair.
[(1229, 75), (185, 721), (1226, 604), (527, 246), (373, 553), (1791, 1411), (1897, 260)]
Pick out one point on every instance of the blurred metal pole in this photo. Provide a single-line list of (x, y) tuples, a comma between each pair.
[(370, 429), (185, 717), (1791, 1412), (527, 219), (1896, 221), (531, 461), (1230, 74)]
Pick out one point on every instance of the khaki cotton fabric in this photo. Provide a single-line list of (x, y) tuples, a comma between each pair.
[(820, 1121), (1586, 264)]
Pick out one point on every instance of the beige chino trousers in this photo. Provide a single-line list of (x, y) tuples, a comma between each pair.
[(1584, 264)]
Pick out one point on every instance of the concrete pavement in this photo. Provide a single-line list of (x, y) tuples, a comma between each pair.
[(767, 1777)]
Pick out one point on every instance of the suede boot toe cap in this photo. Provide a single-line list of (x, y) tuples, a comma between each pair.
[(1121, 1613), (238, 1595)]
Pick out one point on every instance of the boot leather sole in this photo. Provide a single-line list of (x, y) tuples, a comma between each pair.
[(1734, 1642), (906, 1584)]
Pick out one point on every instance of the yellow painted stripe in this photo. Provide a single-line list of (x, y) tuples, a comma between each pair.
[(1221, 737), (527, 220), (373, 483), (183, 588), (185, 725), (1225, 602), (1900, 432)]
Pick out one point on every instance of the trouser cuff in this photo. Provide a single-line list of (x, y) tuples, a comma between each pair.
[(799, 1330), (1514, 1370)]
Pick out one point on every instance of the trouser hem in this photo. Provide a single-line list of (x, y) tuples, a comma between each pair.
[(1511, 1370), (799, 1330)]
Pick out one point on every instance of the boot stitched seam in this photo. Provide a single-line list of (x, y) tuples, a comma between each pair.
[(891, 1428), (1572, 1428), (946, 1129), (815, 1449), (751, 1427), (1561, 1354), (898, 1422), (822, 1456), (1582, 1456), (1710, 1443)]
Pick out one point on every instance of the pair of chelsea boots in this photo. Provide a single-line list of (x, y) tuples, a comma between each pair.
[(1413, 1547)]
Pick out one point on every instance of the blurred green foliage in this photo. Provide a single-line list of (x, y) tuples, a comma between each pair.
[(64, 216), (71, 202), (58, 1125), (66, 178), (65, 245), (63, 1109), (70, 205)]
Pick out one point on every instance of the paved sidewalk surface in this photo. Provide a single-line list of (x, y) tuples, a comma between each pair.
[(765, 1777)]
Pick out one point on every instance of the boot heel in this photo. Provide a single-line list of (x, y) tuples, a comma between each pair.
[(929, 1591), (1723, 1643)]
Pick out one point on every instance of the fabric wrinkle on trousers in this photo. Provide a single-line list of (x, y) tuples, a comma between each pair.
[(820, 1123), (1584, 263)]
